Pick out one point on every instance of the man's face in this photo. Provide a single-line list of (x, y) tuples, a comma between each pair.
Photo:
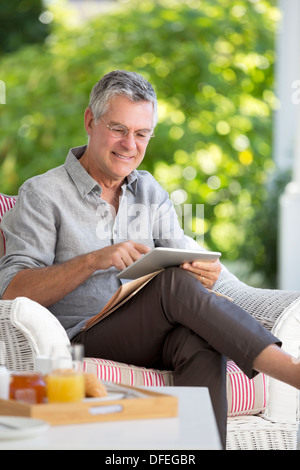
[(114, 158)]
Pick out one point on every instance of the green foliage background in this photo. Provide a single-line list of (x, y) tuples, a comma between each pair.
[(212, 65), (19, 24)]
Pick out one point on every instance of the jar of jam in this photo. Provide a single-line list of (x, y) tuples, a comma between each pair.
[(28, 387)]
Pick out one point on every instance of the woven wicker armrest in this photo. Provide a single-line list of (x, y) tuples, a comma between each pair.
[(266, 305)]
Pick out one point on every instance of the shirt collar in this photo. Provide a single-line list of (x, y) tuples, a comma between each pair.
[(131, 181), (83, 181)]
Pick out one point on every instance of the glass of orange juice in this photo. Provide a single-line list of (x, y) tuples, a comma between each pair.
[(66, 384)]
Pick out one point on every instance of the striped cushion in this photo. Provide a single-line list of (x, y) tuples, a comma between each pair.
[(127, 374), (245, 397), (6, 203)]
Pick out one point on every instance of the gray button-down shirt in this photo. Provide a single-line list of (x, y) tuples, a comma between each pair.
[(60, 215)]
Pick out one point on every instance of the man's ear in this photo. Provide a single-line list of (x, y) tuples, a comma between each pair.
[(88, 120)]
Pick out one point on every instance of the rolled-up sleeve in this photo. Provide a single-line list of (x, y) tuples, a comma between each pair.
[(30, 234)]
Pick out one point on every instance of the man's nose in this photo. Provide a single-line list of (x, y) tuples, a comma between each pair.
[(128, 141)]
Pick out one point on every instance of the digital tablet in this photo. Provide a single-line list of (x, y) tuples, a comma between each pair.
[(160, 258)]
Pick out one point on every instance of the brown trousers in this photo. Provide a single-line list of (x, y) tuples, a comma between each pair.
[(174, 323)]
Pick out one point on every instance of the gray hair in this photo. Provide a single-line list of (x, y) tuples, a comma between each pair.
[(121, 82)]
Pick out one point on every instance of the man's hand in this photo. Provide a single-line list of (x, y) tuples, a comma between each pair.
[(120, 255), (207, 272)]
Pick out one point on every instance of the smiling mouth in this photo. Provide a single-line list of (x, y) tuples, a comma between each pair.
[(123, 157)]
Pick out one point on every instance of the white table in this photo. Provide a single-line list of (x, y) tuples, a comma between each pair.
[(194, 428)]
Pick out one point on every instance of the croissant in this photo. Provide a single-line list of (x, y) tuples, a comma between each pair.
[(93, 386)]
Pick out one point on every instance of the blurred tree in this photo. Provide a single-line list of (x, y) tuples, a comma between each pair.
[(211, 63), (20, 24)]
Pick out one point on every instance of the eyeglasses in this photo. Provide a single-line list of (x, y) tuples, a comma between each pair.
[(120, 131)]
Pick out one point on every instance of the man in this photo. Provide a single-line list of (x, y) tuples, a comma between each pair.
[(72, 230)]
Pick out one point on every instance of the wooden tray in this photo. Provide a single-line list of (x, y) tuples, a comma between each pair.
[(152, 405)]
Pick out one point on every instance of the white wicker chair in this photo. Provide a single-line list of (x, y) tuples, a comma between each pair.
[(25, 337)]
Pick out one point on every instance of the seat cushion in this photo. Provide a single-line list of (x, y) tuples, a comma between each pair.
[(244, 396), (6, 203), (127, 374)]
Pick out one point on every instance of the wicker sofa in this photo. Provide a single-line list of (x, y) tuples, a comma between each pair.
[(262, 413)]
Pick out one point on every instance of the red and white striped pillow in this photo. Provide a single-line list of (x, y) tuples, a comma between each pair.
[(244, 396), (6, 203), (134, 376)]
